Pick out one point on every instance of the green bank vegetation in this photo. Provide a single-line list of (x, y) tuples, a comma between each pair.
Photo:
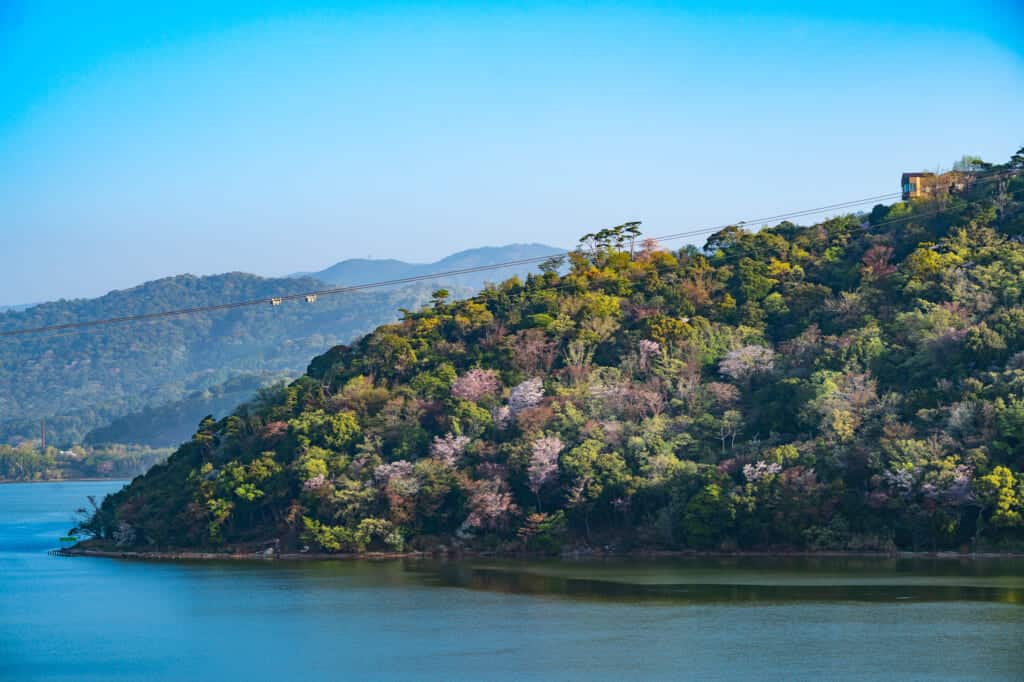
[(27, 462)]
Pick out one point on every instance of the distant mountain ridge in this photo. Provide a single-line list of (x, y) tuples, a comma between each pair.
[(130, 377), (363, 270)]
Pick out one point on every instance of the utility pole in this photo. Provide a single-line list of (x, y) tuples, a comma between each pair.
[(42, 434)]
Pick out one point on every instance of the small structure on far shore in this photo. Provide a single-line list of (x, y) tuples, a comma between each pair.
[(925, 184), (913, 184)]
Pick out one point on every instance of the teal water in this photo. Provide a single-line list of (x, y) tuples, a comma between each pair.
[(746, 619)]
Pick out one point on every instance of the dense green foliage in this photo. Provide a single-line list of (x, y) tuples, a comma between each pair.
[(28, 463), (856, 384)]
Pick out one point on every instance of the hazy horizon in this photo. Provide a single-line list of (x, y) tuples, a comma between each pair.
[(289, 136), (312, 272)]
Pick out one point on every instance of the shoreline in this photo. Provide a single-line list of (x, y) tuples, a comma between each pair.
[(379, 556)]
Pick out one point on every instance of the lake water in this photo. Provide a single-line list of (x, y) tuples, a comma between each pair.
[(836, 619)]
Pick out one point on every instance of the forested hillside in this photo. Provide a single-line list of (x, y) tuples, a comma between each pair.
[(856, 384), (83, 381)]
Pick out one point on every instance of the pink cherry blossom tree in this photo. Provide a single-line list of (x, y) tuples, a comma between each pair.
[(743, 363), (314, 483), (648, 351), (543, 467), (476, 384), (448, 448), (490, 506), (399, 469), (526, 395), (760, 470)]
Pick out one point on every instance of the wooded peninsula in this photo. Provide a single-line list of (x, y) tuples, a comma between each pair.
[(854, 385)]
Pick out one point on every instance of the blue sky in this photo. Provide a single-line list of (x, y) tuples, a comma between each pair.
[(273, 137)]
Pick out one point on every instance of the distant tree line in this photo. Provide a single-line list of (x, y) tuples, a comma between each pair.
[(28, 463)]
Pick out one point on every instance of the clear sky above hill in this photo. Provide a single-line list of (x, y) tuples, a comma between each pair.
[(138, 142)]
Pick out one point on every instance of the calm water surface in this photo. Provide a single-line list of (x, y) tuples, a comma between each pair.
[(99, 619)]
